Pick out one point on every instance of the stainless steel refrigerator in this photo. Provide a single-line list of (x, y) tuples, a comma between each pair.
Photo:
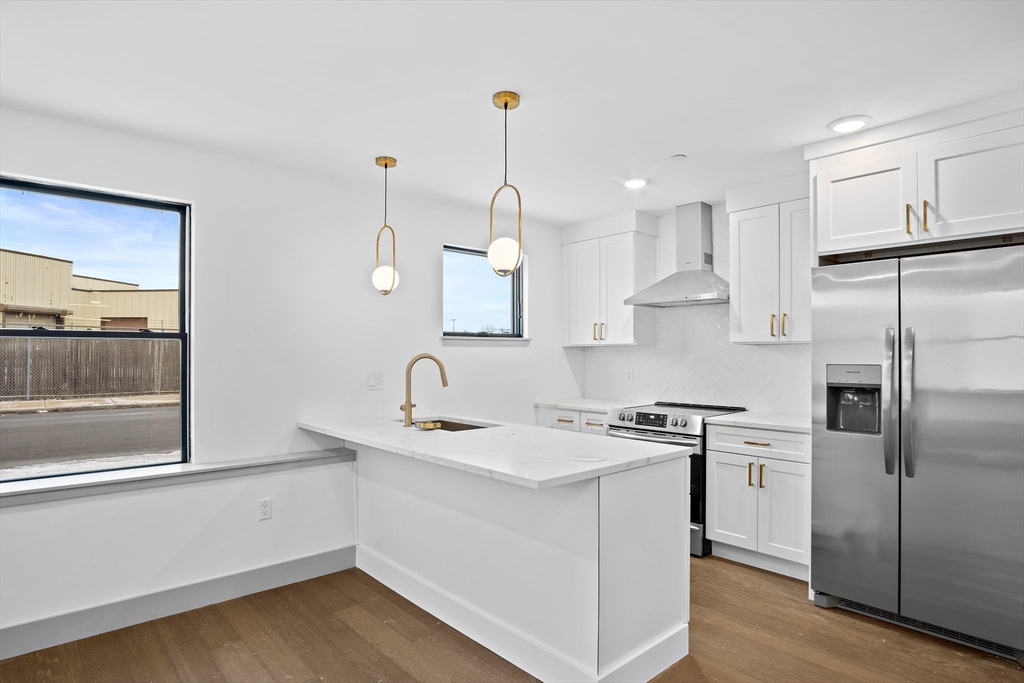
[(918, 442)]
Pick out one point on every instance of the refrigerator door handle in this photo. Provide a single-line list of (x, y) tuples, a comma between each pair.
[(890, 423), (907, 401)]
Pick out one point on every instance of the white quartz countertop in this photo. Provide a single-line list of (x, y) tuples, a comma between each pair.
[(585, 405), (528, 455), (780, 422)]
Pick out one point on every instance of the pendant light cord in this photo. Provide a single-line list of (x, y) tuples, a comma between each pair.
[(506, 142), (385, 194)]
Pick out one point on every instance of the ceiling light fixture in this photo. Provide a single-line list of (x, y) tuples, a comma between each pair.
[(635, 183), (385, 278), (848, 124), (505, 254)]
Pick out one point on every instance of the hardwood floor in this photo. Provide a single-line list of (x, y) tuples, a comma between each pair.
[(746, 625)]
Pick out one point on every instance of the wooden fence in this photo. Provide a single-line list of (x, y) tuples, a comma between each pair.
[(38, 368)]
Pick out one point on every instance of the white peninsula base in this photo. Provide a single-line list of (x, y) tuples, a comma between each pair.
[(585, 581)]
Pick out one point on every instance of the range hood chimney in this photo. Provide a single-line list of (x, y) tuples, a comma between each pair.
[(694, 281)]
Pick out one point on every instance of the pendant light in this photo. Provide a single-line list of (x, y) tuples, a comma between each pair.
[(505, 254), (385, 278)]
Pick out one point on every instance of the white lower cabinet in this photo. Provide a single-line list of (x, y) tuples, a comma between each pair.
[(572, 420), (756, 502)]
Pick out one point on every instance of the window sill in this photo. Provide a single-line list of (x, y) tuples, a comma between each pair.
[(98, 483), (485, 341)]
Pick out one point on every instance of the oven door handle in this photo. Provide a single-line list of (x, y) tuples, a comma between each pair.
[(688, 443)]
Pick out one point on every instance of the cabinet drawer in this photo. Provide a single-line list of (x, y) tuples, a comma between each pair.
[(594, 423), (760, 442), (569, 420)]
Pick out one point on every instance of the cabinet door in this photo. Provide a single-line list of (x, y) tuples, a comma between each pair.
[(582, 286), (617, 278), (864, 205), (795, 271), (732, 499), (784, 509), (973, 186), (754, 269)]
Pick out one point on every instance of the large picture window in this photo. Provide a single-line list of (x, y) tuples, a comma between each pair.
[(93, 331), (476, 301)]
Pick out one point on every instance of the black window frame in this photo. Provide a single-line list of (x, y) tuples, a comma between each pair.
[(184, 287), (518, 327)]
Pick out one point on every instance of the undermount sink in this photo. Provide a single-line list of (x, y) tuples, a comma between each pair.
[(432, 424)]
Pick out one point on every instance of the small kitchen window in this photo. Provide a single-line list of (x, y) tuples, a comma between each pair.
[(477, 303)]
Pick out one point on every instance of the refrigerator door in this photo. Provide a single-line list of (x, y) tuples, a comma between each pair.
[(963, 442), (855, 493)]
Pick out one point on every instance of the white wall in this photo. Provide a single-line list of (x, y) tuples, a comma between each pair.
[(694, 360), (286, 326)]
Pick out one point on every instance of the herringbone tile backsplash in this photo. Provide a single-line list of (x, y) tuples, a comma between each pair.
[(694, 360)]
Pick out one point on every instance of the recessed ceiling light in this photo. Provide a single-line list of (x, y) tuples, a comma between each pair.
[(848, 124), (635, 183)]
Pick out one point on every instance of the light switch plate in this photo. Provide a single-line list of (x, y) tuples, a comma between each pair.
[(375, 381), (629, 374)]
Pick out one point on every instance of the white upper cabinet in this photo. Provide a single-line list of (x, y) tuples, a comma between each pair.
[(973, 186), (795, 271), (868, 204), (770, 270), (754, 273), (598, 275)]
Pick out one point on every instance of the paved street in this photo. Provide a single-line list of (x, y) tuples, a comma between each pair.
[(87, 434)]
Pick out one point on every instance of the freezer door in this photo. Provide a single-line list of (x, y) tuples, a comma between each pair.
[(854, 482), (963, 442)]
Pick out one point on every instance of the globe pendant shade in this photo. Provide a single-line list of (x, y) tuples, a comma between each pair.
[(504, 256), (382, 279)]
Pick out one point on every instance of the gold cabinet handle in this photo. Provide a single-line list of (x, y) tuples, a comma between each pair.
[(750, 474), (908, 219), (591, 423), (783, 324), (758, 443), (565, 420), (760, 476), (924, 215), (602, 331), (771, 325), (595, 331)]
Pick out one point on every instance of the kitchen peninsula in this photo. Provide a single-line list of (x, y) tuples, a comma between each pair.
[(565, 553)]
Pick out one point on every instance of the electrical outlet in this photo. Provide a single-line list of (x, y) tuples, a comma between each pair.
[(629, 374), (375, 381), (266, 508)]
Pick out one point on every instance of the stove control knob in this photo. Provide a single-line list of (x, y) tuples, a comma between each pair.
[(622, 417), (675, 422), (629, 417), (682, 422)]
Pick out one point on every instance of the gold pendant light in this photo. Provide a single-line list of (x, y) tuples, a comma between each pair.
[(506, 254), (385, 278)]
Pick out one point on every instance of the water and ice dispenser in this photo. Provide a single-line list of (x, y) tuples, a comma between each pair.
[(854, 398)]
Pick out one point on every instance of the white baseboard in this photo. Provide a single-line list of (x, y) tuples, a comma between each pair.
[(519, 648), (63, 628), (788, 568)]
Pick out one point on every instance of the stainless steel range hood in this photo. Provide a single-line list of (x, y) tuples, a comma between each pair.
[(695, 282)]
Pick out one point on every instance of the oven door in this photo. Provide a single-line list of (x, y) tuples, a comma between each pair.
[(699, 545)]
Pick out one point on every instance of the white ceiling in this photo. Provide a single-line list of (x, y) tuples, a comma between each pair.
[(609, 90)]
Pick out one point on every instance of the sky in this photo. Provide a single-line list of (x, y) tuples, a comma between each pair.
[(105, 240), (474, 295)]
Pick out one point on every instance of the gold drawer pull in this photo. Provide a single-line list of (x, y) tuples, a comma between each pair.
[(591, 423), (924, 215), (771, 325), (783, 324), (760, 476), (595, 332), (750, 474), (602, 331), (565, 420), (908, 219), (757, 443)]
